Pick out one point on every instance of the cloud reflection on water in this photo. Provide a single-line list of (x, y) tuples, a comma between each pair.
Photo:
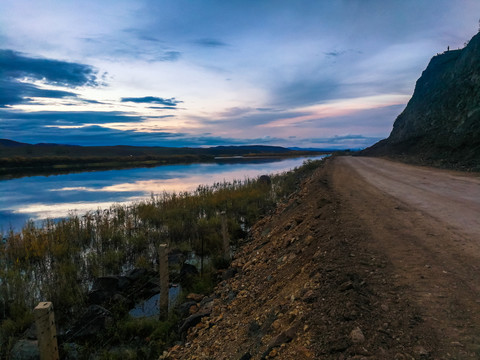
[(41, 197)]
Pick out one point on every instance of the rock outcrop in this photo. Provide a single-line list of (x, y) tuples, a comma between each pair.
[(441, 123)]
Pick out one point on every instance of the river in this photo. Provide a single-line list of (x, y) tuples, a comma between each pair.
[(56, 196)]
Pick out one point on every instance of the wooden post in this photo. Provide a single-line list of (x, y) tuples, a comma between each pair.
[(163, 270), (46, 331), (226, 239)]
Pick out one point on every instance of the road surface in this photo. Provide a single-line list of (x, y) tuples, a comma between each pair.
[(427, 222)]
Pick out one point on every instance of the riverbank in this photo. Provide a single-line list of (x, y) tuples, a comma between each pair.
[(88, 266), (343, 271)]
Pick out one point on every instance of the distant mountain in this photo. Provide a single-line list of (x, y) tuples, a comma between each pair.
[(11, 144), (10, 148), (20, 159), (441, 123)]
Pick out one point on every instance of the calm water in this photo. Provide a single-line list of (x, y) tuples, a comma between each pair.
[(55, 196)]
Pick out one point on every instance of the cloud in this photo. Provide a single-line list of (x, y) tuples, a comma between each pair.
[(210, 43), (334, 53), (17, 72), (140, 35), (91, 128), (349, 141), (17, 120), (236, 111), (14, 65), (168, 56), (134, 45), (14, 92), (306, 90), (172, 102), (163, 107), (377, 119), (247, 117)]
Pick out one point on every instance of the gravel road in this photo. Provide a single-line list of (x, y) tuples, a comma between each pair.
[(451, 197), (427, 222)]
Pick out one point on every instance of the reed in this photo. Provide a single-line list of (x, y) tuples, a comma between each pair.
[(59, 260)]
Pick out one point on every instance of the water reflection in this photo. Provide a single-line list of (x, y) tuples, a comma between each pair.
[(40, 197), (150, 307)]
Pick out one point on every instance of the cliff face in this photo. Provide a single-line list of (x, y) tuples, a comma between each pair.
[(441, 123)]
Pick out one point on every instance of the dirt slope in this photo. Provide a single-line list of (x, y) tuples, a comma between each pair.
[(345, 270)]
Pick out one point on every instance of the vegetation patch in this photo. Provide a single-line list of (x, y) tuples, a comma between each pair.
[(61, 261)]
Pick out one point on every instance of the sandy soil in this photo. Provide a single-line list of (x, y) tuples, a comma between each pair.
[(371, 259)]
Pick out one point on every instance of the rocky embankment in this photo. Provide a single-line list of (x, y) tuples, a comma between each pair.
[(441, 123), (307, 287)]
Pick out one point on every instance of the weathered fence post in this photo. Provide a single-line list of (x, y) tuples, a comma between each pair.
[(226, 239), (46, 331), (163, 270)]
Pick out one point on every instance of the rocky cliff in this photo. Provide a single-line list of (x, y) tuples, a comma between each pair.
[(441, 123)]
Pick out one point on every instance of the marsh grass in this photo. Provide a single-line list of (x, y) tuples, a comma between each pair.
[(58, 261)]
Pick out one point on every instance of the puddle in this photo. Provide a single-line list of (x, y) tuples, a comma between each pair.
[(149, 307)]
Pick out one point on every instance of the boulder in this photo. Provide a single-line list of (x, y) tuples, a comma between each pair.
[(92, 322), (191, 321), (25, 350), (229, 273), (106, 283), (195, 297), (105, 288), (136, 274), (184, 308)]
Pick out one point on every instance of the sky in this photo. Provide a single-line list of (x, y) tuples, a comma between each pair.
[(298, 73)]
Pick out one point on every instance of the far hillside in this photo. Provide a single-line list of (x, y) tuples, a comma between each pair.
[(18, 158)]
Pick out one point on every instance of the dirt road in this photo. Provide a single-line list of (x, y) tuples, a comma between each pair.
[(427, 223)]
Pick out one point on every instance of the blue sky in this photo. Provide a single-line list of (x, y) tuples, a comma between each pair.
[(305, 73)]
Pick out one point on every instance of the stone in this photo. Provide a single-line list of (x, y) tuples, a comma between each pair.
[(229, 273), (347, 285), (356, 335), (191, 321), (136, 274), (304, 352), (31, 333), (25, 350), (184, 308), (421, 351), (195, 297), (106, 283), (283, 338), (92, 322), (309, 297), (246, 356)]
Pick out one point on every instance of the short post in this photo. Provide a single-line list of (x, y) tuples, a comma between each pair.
[(46, 331), (163, 270), (226, 239)]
